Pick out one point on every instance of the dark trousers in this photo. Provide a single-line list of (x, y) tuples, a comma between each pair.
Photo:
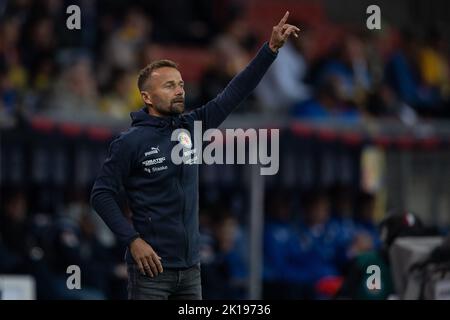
[(170, 285)]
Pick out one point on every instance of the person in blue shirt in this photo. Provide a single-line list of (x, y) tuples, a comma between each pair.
[(323, 249), (284, 276), (342, 210), (327, 104), (402, 75), (365, 220), (229, 269)]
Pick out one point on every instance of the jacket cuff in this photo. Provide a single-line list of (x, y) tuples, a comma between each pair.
[(268, 50), (132, 238)]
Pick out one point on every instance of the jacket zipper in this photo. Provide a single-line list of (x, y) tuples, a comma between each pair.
[(186, 239)]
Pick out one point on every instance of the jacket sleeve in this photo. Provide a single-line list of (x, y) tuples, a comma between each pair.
[(106, 187), (213, 113)]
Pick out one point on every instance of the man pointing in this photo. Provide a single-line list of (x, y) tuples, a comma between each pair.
[(163, 239)]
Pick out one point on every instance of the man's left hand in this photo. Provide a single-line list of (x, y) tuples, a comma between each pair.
[(281, 32)]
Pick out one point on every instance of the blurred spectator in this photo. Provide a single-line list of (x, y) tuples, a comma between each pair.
[(404, 77), (122, 47), (356, 237), (349, 66), (383, 102), (225, 276), (10, 56), (365, 221), (122, 96), (235, 43), (40, 42), (9, 96), (75, 94), (323, 249), (216, 76), (230, 53), (13, 76), (327, 105), (14, 224), (433, 64), (207, 239), (434, 67), (23, 249), (78, 241), (284, 83), (342, 207), (415, 76), (283, 278)]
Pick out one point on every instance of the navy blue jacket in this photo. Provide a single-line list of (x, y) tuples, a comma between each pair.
[(163, 196)]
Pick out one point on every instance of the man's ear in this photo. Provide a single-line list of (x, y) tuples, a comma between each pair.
[(146, 97)]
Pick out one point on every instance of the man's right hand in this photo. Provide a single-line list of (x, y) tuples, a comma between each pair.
[(146, 258), (281, 32)]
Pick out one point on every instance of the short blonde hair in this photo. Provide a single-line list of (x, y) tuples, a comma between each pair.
[(146, 72)]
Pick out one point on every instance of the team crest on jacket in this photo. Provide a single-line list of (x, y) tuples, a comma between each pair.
[(185, 139)]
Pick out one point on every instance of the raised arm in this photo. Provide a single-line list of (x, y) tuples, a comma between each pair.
[(215, 111), (281, 32)]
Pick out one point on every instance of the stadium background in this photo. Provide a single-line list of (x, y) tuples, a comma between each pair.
[(364, 131)]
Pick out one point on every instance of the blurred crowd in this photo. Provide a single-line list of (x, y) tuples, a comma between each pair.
[(44, 244), (313, 241), (312, 238), (47, 69)]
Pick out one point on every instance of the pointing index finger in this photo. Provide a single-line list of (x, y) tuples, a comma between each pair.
[(284, 19)]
